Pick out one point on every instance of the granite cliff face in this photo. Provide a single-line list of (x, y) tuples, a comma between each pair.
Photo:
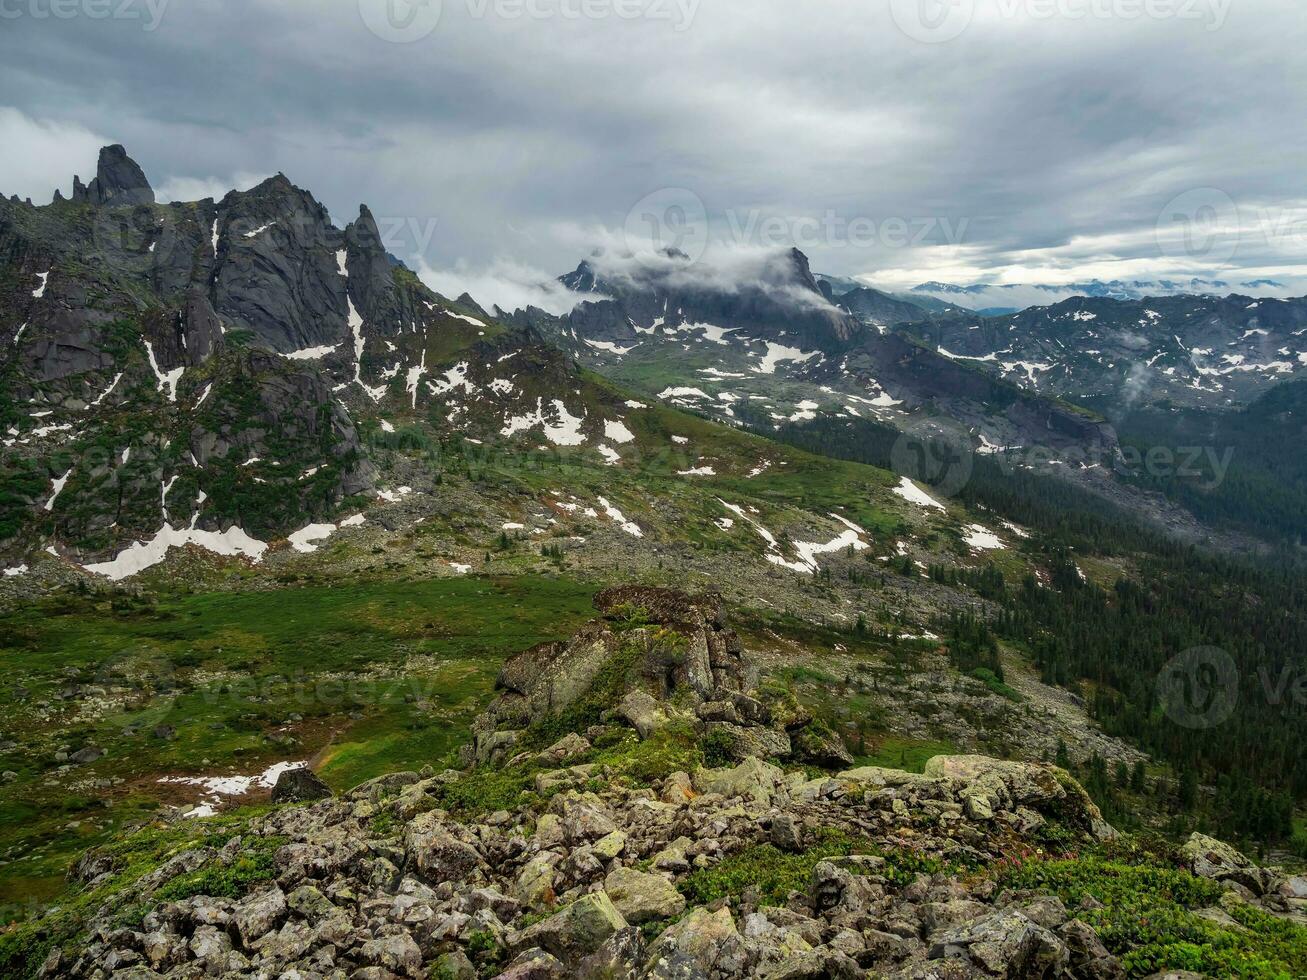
[(119, 181)]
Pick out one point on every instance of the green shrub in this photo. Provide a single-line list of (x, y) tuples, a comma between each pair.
[(772, 872), (628, 616), (995, 684), (1148, 916), (254, 866), (718, 749), (668, 750), (487, 789), (775, 874)]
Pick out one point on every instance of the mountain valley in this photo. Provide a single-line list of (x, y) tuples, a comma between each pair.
[(270, 506)]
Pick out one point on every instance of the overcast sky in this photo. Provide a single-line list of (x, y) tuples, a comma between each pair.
[(895, 140)]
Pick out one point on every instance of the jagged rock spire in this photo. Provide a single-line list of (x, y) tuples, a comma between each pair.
[(119, 181)]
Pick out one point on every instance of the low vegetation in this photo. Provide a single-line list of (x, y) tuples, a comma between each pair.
[(1154, 916)]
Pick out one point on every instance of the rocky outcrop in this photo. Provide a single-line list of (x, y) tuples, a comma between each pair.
[(779, 299), (1210, 858), (119, 181), (299, 785), (654, 656)]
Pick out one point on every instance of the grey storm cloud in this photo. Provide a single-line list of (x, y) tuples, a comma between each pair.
[(1048, 141)]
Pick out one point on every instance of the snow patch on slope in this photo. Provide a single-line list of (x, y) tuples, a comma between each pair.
[(913, 494), (141, 555), (164, 379)]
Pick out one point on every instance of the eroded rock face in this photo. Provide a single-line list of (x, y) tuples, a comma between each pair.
[(240, 329)]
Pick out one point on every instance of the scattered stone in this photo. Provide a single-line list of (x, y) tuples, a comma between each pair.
[(256, 915), (752, 779), (398, 954)]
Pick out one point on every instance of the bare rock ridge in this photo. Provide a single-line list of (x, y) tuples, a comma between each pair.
[(597, 857)]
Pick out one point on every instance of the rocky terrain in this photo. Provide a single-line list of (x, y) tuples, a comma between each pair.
[(613, 831)]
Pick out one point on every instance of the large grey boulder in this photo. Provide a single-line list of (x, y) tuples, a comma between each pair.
[(437, 853), (398, 954), (704, 943), (1216, 860), (258, 915), (643, 712), (577, 931), (642, 897), (299, 786), (752, 779), (1004, 944)]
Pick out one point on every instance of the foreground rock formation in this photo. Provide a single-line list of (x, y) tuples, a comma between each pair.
[(655, 656), (613, 852)]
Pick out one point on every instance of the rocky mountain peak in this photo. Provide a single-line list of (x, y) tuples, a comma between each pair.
[(802, 269), (119, 181)]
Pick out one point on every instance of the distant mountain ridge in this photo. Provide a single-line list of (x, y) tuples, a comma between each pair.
[(1115, 355), (1000, 298), (770, 344)]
